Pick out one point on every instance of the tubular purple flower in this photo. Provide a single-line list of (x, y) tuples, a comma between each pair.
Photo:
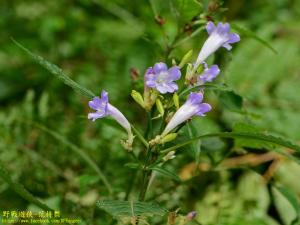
[(208, 75), (103, 109), (193, 106), (161, 78), (219, 36)]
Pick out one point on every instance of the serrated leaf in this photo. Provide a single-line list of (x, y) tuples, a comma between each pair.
[(247, 127), (56, 71), (254, 136), (19, 188), (130, 208), (166, 173)]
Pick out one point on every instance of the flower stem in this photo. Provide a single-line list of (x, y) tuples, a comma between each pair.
[(145, 182)]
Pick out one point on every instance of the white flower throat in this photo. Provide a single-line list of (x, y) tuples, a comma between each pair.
[(162, 77)]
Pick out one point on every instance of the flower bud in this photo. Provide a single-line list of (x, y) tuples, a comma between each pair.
[(160, 107), (185, 59), (138, 98), (169, 156), (168, 138), (176, 100), (189, 73), (191, 215), (200, 69)]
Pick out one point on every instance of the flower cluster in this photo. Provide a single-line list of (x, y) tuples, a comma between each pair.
[(160, 80)]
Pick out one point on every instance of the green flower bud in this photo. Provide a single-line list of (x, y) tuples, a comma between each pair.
[(176, 100), (174, 62), (189, 73), (138, 98), (186, 58), (200, 69), (160, 107), (168, 138)]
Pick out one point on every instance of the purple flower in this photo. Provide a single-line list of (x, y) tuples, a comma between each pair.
[(193, 106), (103, 109), (100, 105), (161, 78), (208, 74), (219, 36)]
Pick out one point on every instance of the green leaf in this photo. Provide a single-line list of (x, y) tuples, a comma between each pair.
[(130, 208), (133, 165), (19, 188), (253, 136), (187, 9), (231, 101), (251, 34), (251, 128), (56, 71), (292, 199), (206, 86), (166, 173), (196, 146)]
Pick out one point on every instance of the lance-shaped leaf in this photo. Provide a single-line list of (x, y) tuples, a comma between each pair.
[(56, 71), (130, 209)]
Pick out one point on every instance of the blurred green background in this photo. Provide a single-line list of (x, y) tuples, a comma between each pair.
[(108, 44)]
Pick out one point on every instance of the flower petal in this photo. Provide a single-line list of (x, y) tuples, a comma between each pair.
[(163, 88), (95, 115), (95, 103), (160, 67), (223, 28), (209, 74), (233, 38), (104, 96), (227, 46), (210, 27), (174, 73), (173, 86), (195, 98), (203, 108), (150, 80)]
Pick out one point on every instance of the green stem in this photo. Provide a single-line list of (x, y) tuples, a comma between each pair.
[(140, 136), (150, 126), (145, 182)]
